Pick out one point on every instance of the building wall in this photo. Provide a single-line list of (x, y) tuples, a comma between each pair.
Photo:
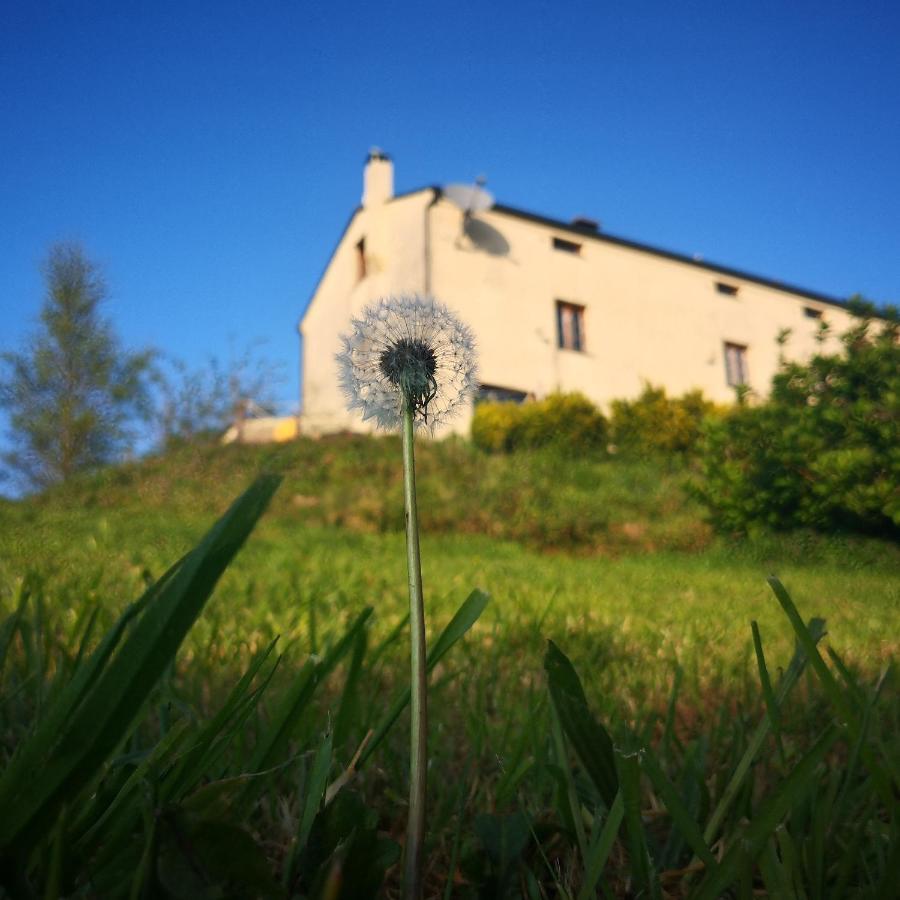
[(395, 263), (646, 318)]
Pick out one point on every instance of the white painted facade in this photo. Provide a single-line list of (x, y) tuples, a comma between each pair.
[(645, 315)]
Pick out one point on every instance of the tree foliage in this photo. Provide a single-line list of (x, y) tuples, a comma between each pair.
[(73, 395), (657, 423), (824, 450), (197, 404), (560, 420)]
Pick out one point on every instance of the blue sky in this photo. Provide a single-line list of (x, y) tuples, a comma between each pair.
[(208, 155)]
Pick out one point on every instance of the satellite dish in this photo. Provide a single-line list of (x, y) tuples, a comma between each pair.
[(470, 198)]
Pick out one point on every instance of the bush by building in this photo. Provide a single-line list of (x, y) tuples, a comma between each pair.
[(822, 452), (657, 423), (568, 420)]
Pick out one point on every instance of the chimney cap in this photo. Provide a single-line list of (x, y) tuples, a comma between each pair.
[(585, 223), (377, 153)]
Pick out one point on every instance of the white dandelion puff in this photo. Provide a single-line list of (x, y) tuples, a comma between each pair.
[(410, 348)]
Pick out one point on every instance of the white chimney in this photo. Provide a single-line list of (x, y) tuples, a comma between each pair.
[(378, 178)]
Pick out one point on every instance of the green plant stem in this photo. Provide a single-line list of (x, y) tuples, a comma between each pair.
[(418, 756)]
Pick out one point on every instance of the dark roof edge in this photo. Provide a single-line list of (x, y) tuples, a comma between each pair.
[(666, 254)]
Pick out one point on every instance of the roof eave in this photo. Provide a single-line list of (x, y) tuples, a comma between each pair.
[(584, 233)]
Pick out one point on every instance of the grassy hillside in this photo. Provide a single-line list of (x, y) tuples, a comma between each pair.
[(581, 545), (610, 559), (545, 501)]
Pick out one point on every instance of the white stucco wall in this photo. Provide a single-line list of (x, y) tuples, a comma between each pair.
[(647, 318), (395, 263)]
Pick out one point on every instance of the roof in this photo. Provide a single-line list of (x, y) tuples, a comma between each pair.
[(589, 234), (585, 233)]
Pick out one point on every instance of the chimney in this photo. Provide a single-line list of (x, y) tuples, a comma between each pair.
[(583, 223), (378, 178)]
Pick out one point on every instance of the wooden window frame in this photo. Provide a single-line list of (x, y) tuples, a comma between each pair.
[(736, 353), (569, 338)]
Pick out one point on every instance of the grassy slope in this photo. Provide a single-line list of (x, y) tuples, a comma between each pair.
[(648, 589), (647, 586)]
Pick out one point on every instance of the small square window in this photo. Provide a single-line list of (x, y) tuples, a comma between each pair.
[(730, 290), (566, 246), (812, 313), (735, 364), (361, 259), (569, 326)]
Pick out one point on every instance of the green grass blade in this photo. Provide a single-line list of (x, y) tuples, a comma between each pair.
[(10, 626), (678, 812), (31, 753), (768, 693), (170, 740), (285, 720), (314, 787), (830, 685), (570, 797), (190, 769), (770, 814), (841, 701), (116, 697), (348, 709), (646, 882), (732, 789), (466, 616), (601, 847), (590, 739)]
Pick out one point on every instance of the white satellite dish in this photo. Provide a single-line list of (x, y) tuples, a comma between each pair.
[(470, 198)]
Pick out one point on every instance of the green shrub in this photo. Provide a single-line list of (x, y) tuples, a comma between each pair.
[(568, 420), (493, 425), (657, 423), (823, 451)]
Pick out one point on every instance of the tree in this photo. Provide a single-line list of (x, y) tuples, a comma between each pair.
[(73, 395), (823, 451), (199, 404)]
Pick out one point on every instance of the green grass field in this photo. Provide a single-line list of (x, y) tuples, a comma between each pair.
[(611, 560)]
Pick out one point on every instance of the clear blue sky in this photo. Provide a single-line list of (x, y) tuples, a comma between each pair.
[(209, 154)]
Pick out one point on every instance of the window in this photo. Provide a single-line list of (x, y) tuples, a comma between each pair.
[(812, 313), (361, 259), (730, 290), (566, 246), (569, 326), (494, 394), (735, 364)]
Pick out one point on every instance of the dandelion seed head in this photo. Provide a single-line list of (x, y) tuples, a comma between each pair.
[(411, 347)]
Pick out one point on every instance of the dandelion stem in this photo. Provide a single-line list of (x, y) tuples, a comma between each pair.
[(418, 758)]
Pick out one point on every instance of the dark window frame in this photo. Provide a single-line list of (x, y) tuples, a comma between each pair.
[(494, 393), (729, 290), (736, 353), (566, 246), (361, 268), (810, 312), (568, 339)]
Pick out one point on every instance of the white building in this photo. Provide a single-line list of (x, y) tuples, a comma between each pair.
[(554, 305)]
